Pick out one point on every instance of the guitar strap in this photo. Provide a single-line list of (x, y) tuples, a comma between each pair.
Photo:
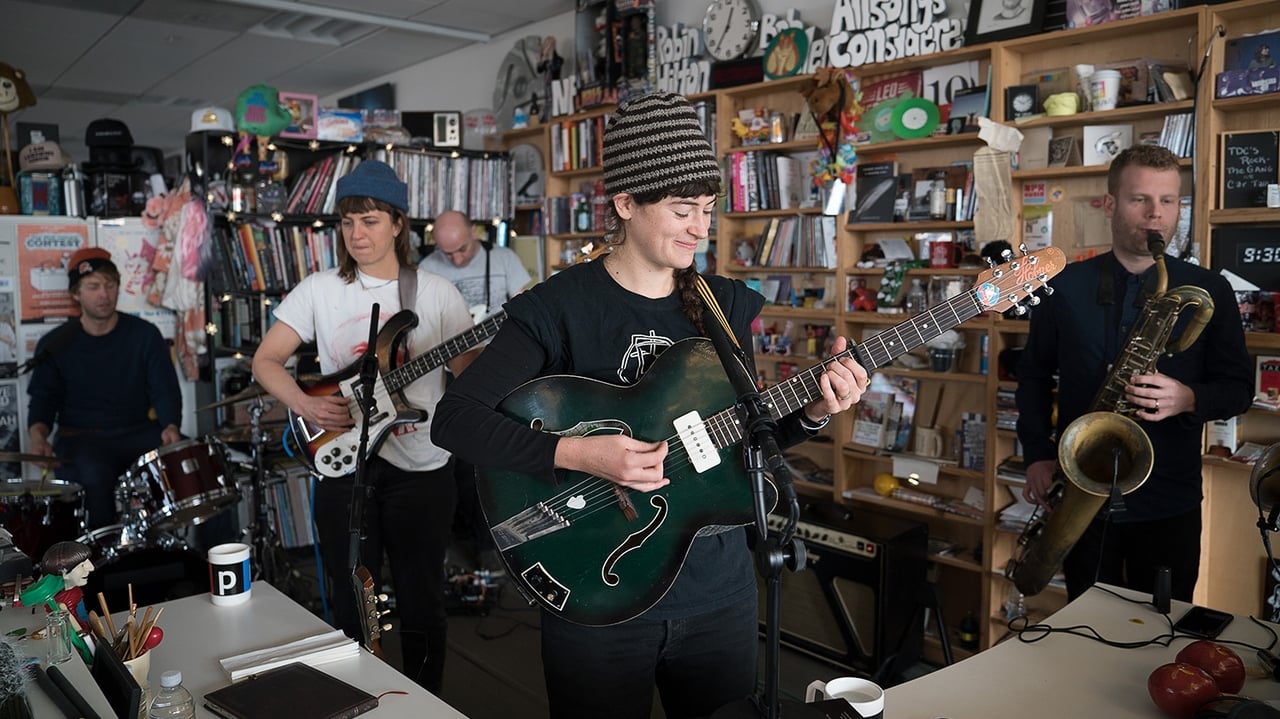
[(709, 300), (408, 287)]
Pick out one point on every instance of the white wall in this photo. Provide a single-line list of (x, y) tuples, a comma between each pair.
[(464, 79)]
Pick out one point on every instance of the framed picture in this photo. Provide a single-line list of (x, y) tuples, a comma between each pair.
[(302, 108), (1003, 19)]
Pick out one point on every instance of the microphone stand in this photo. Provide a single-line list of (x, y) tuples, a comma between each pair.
[(762, 456), (359, 491)]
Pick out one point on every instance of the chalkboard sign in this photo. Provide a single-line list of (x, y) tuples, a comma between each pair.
[(1250, 161)]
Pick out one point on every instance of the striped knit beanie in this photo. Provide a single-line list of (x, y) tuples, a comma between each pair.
[(653, 143)]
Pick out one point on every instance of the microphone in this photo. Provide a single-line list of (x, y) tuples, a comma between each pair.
[(369, 364), (1264, 487)]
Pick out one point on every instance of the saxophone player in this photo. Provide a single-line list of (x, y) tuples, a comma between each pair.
[(1079, 331)]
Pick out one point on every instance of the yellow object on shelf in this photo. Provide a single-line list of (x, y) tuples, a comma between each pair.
[(885, 484)]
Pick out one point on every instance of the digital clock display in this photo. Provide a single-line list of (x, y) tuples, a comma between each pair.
[(1255, 255)]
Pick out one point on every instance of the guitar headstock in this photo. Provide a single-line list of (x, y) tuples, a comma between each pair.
[(369, 605), (592, 251), (1007, 285)]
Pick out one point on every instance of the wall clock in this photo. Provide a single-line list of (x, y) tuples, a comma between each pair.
[(731, 28)]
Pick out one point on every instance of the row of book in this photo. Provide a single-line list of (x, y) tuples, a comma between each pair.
[(478, 186), (578, 144), (315, 191), (1006, 409), (797, 241), (1178, 134), (272, 259), (240, 320), (883, 194), (761, 180), (291, 499)]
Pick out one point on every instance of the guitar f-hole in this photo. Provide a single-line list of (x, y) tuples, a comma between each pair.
[(635, 540)]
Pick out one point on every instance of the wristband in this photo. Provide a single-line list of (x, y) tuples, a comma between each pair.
[(812, 426)]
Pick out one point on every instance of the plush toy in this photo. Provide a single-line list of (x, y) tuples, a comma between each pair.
[(15, 94), (260, 114), (833, 100)]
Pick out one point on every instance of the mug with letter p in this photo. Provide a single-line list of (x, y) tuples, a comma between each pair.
[(229, 574), (865, 696)]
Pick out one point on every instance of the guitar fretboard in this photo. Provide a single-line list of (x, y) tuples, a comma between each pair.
[(876, 351), (405, 374)]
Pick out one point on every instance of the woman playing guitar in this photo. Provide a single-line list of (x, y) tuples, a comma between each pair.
[(610, 320)]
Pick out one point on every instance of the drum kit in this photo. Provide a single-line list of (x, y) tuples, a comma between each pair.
[(164, 493)]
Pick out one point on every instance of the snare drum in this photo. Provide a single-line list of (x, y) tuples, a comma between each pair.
[(159, 568), (41, 513), (180, 484)]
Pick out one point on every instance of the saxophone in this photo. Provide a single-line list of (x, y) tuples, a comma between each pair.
[(1106, 452)]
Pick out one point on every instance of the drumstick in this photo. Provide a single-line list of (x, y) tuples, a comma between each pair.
[(152, 625), (95, 622), (106, 614), (128, 630), (131, 604)]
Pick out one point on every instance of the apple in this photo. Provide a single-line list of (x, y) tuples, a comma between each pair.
[(1223, 664), (1179, 689)]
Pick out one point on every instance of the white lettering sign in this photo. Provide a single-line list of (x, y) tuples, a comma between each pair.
[(871, 31)]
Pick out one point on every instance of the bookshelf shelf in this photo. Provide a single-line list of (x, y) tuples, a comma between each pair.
[(773, 213)]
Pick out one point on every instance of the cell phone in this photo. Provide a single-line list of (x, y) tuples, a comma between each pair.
[(1203, 622)]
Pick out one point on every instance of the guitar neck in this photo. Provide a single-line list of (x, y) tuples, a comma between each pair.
[(419, 366), (876, 351)]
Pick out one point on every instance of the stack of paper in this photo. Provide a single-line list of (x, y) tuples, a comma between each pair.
[(313, 651)]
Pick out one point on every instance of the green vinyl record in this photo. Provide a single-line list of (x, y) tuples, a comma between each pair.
[(914, 118)]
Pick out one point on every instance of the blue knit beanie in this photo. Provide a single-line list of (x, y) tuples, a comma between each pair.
[(376, 180)]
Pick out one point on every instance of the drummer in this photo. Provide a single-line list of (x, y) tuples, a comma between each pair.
[(106, 380)]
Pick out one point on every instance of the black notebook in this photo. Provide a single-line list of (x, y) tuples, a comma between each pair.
[(295, 690)]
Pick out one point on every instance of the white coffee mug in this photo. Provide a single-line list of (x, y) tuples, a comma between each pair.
[(928, 441), (865, 696), (229, 574), (1104, 89)]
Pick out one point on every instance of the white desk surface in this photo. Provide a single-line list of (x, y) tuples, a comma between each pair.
[(197, 634), (1068, 676)]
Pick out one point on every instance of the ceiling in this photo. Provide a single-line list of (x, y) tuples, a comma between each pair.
[(150, 63)]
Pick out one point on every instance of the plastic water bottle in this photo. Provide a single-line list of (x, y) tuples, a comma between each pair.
[(917, 300), (173, 700)]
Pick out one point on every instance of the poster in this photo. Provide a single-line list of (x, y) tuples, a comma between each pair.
[(10, 427), (44, 251), (8, 329), (133, 248)]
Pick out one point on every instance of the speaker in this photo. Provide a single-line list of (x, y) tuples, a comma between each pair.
[(859, 603), (438, 129)]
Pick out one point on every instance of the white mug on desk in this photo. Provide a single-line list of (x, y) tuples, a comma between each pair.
[(865, 696)]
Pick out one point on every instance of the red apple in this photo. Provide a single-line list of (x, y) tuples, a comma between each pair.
[(1223, 664), (1178, 689)]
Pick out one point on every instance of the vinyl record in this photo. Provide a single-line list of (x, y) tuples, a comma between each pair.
[(517, 79), (914, 118)]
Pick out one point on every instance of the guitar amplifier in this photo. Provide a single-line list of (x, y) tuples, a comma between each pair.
[(858, 604)]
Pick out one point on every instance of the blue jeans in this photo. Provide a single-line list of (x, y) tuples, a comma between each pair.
[(698, 663), (409, 518)]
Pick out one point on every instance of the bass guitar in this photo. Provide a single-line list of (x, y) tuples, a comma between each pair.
[(334, 454), (595, 553)]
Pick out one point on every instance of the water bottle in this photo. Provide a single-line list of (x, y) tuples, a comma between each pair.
[(173, 700), (917, 299)]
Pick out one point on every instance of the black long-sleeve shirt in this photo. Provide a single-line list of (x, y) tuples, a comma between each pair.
[(105, 383), (1079, 330)]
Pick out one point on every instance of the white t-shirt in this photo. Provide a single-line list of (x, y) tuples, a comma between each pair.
[(507, 276), (335, 315)]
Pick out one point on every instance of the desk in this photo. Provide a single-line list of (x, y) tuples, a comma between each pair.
[(1064, 675), (197, 634)]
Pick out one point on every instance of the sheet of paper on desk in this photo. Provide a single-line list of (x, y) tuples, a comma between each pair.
[(313, 651)]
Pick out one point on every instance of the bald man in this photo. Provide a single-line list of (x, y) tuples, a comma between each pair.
[(487, 278)]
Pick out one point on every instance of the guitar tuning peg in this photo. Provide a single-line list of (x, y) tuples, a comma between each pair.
[(1022, 247), (386, 627), (1047, 290), (1019, 310), (990, 262), (1033, 300), (1007, 255), (383, 597)]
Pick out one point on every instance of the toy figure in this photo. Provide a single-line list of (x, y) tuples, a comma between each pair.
[(863, 299), (549, 64), (66, 567)]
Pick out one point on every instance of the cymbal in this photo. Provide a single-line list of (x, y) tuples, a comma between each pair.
[(251, 392), (244, 433), (21, 457)]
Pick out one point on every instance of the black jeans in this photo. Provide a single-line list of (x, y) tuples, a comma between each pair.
[(408, 517), (699, 664), (1127, 554), (96, 461)]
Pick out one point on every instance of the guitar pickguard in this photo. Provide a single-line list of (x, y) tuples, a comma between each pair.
[(336, 456)]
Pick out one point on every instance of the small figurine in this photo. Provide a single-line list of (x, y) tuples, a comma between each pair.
[(66, 567), (863, 299), (549, 64)]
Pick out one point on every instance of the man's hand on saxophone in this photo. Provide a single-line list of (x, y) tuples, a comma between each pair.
[(1160, 396)]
